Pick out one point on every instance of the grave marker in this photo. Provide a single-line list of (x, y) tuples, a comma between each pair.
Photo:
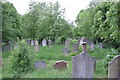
[(83, 64), (36, 48), (61, 64), (92, 46), (40, 65), (66, 51), (32, 42), (75, 48), (50, 42), (114, 68), (67, 43), (100, 45), (44, 42)]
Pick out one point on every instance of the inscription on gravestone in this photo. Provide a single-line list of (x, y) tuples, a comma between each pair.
[(114, 68), (83, 65)]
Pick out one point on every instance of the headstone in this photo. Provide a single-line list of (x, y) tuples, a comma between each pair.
[(50, 42), (100, 45), (75, 48), (79, 41), (66, 51), (61, 64), (114, 68), (40, 65), (36, 46), (32, 42), (67, 43), (16, 45), (28, 41), (92, 46), (44, 42), (83, 65)]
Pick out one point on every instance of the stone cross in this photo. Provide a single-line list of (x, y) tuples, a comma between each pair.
[(44, 42), (36, 47), (114, 68), (83, 65)]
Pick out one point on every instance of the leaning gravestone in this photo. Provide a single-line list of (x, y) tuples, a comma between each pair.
[(61, 64), (114, 68), (75, 48), (36, 48), (100, 45), (44, 42), (92, 46), (32, 42), (67, 43), (40, 65), (66, 51), (83, 65)]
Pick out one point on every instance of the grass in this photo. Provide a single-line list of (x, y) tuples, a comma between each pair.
[(50, 55)]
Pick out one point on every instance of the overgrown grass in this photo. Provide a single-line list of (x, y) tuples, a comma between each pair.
[(50, 55)]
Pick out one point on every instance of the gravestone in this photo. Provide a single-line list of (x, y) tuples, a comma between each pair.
[(75, 48), (100, 45), (66, 51), (16, 45), (44, 42), (61, 64), (28, 41), (50, 42), (40, 65), (32, 42), (79, 41), (67, 43), (114, 68), (83, 65), (92, 46), (36, 48)]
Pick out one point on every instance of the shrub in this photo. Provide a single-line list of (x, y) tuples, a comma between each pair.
[(21, 61)]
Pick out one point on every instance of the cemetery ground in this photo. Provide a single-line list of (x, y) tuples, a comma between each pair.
[(50, 55)]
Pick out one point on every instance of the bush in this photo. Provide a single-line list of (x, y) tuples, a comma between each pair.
[(109, 58), (21, 61)]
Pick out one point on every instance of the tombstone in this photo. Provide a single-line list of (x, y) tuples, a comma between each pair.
[(83, 65), (114, 68), (16, 45), (28, 41), (66, 51), (75, 48), (100, 45), (79, 41), (60, 64), (32, 42), (50, 42), (92, 46), (67, 43), (44, 42), (40, 65), (36, 48)]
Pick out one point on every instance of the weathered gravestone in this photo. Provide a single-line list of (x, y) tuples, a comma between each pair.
[(83, 65), (44, 42), (92, 46), (66, 51), (114, 68), (61, 64), (75, 48), (28, 41), (67, 43), (50, 42), (32, 42), (40, 65), (100, 45), (36, 48)]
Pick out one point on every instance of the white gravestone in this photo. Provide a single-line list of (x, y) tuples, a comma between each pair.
[(83, 65), (44, 42), (32, 42), (114, 68)]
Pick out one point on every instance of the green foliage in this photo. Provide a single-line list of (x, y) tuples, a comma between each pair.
[(21, 61), (110, 55)]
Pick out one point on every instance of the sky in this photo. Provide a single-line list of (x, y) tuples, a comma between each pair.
[(72, 7)]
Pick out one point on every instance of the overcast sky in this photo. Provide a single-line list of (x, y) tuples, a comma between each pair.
[(72, 7)]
